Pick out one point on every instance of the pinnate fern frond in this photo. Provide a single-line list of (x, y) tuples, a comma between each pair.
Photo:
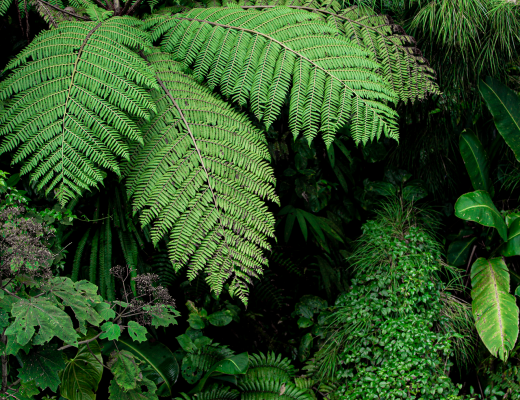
[(201, 177), (271, 390), (74, 91), (269, 367), (402, 64), (259, 56)]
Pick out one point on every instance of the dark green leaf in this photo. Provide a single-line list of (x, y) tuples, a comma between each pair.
[(476, 161), (110, 330), (196, 322), (220, 318), (458, 252), (161, 363), (42, 366), (504, 105), (82, 374), (137, 332), (39, 312), (304, 322), (289, 223), (125, 368), (478, 207), (302, 223), (305, 347)]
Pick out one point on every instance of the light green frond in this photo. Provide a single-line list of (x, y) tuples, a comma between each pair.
[(202, 178), (195, 364), (256, 55), (269, 367), (74, 91), (271, 390)]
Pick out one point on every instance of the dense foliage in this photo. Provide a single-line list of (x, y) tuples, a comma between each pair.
[(296, 199)]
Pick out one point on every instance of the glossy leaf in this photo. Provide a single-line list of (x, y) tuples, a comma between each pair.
[(512, 247), (494, 308), (220, 318), (476, 161), (81, 377), (161, 364), (478, 207), (458, 251), (504, 105)]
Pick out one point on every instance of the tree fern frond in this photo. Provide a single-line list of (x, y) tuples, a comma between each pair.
[(214, 392), (271, 390), (269, 367), (70, 115), (201, 178), (53, 12), (259, 55), (266, 294), (195, 364)]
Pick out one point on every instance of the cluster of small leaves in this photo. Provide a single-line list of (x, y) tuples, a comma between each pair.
[(22, 244), (386, 323)]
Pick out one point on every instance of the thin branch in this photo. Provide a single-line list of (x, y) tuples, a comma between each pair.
[(63, 11), (134, 6), (82, 342)]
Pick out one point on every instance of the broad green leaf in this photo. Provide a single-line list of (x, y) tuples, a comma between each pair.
[(13, 347), (458, 251), (478, 207), (512, 247), (236, 365), (163, 315), (186, 343), (304, 322), (110, 330), (304, 349), (125, 368), (105, 311), (42, 365), (81, 376), (494, 309), (196, 321), (162, 365), (289, 223), (385, 189), (137, 332), (220, 318), (39, 312), (476, 161), (517, 291), (504, 105), (302, 223), (145, 390), (77, 296), (414, 192)]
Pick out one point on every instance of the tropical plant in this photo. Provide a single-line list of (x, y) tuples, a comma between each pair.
[(90, 92)]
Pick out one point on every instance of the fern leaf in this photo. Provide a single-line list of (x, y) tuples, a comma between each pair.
[(70, 115), (257, 54), (269, 367), (200, 177), (195, 364), (271, 390)]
